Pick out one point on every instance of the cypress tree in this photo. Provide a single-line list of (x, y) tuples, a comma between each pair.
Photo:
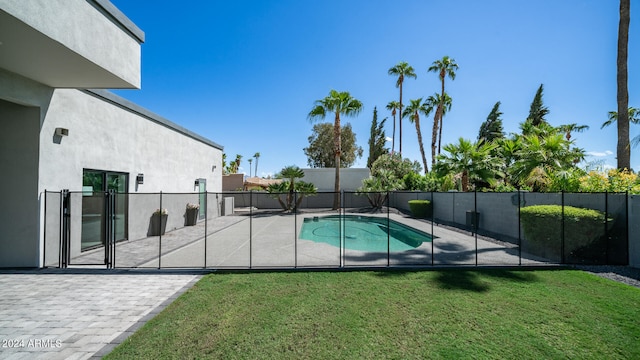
[(377, 139), (538, 111), (492, 129)]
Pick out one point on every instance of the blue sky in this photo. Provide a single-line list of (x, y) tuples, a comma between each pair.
[(245, 73)]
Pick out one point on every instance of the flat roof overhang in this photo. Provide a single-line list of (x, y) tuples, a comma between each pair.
[(32, 54)]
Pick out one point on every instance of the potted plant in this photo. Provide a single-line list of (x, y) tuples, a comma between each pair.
[(158, 222), (191, 216)]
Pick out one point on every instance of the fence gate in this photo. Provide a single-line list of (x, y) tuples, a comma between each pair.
[(89, 239)]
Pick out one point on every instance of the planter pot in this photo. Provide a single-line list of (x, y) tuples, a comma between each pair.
[(191, 217), (158, 224)]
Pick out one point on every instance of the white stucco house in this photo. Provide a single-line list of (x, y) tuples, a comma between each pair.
[(62, 130)]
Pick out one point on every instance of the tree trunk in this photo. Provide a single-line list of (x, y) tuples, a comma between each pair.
[(338, 146), (400, 120), (465, 181), (393, 139), (440, 132), (442, 75), (424, 157), (256, 173), (434, 137), (623, 149)]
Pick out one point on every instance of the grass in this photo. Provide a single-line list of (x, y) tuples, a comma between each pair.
[(470, 314)]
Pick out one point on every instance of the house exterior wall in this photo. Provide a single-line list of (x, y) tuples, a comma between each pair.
[(105, 133), (18, 185), (109, 137), (105, 136), (232, 182), (68, 41)]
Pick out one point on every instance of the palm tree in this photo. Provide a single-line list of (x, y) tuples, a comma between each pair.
[(436, 101), (234, 165), (444, 67), (539, 156), (291, 186), (291, 173), (257, 156), (634, 118), (623, 150), (413, 111), (472, 160), (573, 127), (393, 106), (337, 103), (250, 161), (402, 70)]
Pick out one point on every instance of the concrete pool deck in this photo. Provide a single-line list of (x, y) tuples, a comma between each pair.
[(270, 240)]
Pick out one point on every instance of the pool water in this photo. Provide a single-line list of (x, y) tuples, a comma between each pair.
[(363, 233)]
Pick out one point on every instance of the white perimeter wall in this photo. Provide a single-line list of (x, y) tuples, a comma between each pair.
[(324, 178)]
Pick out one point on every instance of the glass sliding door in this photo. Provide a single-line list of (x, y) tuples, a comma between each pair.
[(92, 210), (95, 184), (118, 183), (202, 198)]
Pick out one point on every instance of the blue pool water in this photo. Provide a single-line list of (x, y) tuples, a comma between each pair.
[(364, 233)]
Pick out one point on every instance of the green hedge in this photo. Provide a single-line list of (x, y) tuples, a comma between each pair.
[(542, 226), (421, 209)]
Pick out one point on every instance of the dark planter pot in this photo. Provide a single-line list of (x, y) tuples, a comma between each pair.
[(158, 224), (191, 217)]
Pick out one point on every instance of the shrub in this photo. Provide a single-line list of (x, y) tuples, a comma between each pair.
[(421, 209), (542, 226), (612, 181)]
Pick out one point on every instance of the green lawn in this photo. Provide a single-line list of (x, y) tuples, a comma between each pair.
[(448, 314)]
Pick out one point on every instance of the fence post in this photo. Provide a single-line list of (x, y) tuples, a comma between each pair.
[(519, 231), (340, 225), (388, 234), (65, 215), (295, 230), (562, 259), (475, 220), (433, 237), (606, 228), (160, 234), (626, 226), (250, 227), (44, 232), (206, 215)]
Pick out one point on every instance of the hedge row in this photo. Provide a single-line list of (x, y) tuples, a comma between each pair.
[(542, 226), (421, 209)]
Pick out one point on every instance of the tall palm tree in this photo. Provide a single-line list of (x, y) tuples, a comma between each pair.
[(337, 103), (256, 156), (573, 127), (402, 70), (444, 67), (440, 103), (634, 118), (623, 149), (250, 160), (413, 110), (393, 106)]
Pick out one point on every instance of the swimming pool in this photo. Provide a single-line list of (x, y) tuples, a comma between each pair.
[(363, 233)]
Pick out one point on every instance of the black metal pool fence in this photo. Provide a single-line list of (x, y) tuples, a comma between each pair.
[(247, 230)]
